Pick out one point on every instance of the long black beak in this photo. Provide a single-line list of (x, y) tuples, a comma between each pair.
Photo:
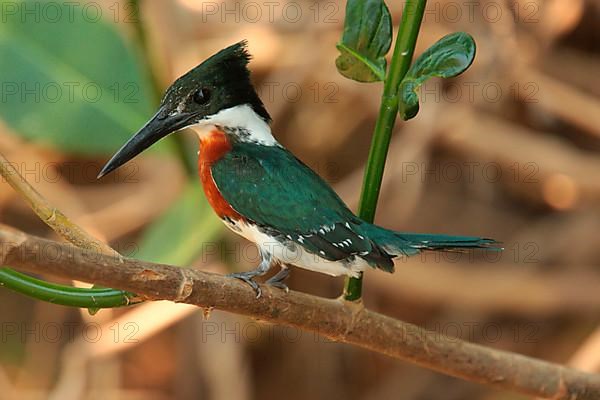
[(159, 126)]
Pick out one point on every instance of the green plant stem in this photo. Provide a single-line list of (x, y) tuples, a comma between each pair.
[(412, 16), (64, 295)]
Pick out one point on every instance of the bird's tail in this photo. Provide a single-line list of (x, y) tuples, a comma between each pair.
[(408, 244)]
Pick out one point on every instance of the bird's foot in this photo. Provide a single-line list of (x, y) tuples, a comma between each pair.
[(279, 285), (277, 279), (248, 278)]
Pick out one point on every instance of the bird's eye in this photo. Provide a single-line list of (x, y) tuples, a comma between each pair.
[(202, 96)]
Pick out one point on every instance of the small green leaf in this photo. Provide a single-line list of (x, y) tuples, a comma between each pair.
[(448, 57), (366, 40), (70, 81), (409, 101), (184, 231)]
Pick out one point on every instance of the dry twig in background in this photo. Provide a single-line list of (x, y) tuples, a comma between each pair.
[(49, 214)]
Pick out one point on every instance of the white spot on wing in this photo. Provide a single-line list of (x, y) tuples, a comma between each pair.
[(299, 256)]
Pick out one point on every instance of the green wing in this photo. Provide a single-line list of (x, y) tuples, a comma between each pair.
[(275, 190)]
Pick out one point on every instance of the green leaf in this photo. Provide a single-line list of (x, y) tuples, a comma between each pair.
[(68, 78), (184, 231), (366, 40), (448, 57)]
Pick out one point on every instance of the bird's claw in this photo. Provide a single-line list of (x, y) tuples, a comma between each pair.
[(247, 278), (277, 280), (279, 285)]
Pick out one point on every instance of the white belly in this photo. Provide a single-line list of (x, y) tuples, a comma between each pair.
[(294, 254)]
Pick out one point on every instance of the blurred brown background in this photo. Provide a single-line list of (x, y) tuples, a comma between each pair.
[(507, 150)]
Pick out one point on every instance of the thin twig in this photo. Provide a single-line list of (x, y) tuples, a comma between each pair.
[(51, 216), (71, 232), (341, 321)]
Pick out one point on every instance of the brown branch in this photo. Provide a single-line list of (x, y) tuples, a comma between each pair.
[(334, 319)]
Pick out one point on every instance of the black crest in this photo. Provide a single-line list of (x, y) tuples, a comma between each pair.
[(224, 78)]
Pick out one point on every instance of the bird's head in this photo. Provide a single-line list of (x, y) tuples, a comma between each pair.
[(207, 95)]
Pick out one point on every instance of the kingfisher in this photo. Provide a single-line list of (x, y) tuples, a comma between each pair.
[(261, 191)]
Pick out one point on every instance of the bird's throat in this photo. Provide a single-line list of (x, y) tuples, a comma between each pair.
[(213, 146)]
